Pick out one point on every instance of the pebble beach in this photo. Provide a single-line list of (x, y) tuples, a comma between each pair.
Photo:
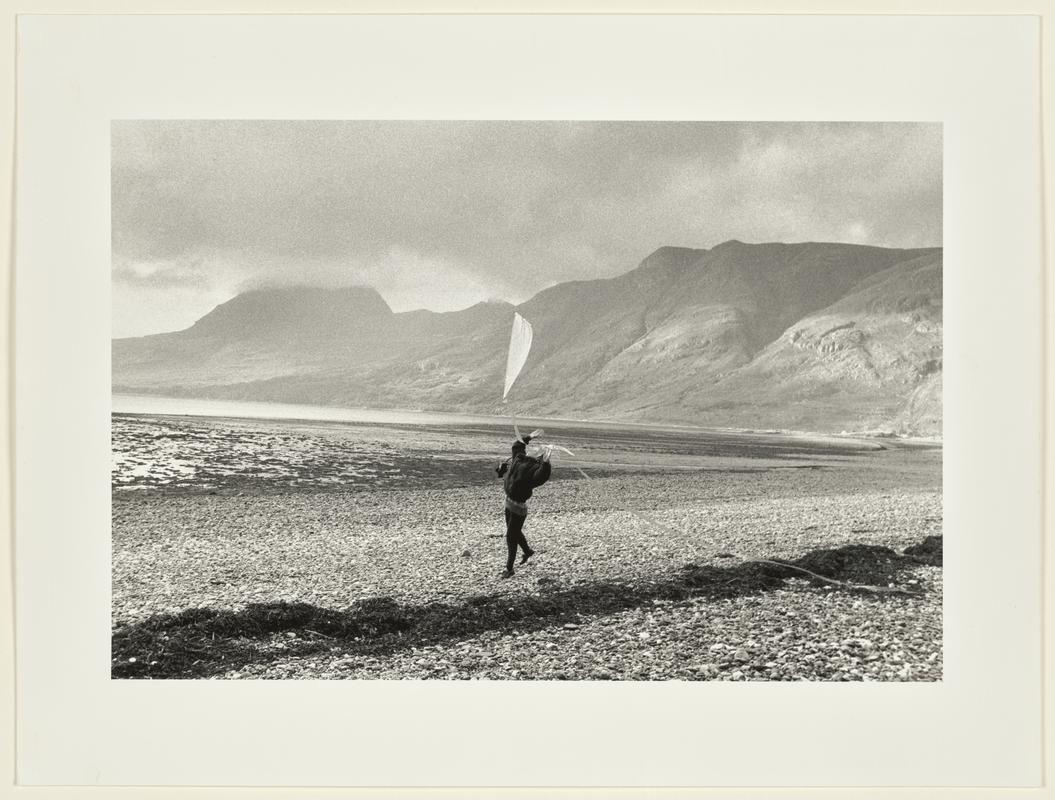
[(264, 549)]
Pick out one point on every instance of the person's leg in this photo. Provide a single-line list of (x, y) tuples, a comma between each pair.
[(512, 537), (522, 541)]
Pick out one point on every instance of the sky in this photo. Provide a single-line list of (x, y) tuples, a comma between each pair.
[(442, 215)]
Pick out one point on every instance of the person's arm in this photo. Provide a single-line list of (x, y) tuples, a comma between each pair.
[(501, 468), (541, 473)]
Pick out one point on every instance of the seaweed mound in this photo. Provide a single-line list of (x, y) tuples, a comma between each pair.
[(928, 551)]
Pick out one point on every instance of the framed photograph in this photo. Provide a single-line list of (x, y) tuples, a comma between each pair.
[(528, 401)]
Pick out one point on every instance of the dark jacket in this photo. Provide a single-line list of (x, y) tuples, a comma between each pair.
[(523, 473)]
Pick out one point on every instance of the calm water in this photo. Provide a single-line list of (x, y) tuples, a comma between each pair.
[(669, 438), (151, 404)]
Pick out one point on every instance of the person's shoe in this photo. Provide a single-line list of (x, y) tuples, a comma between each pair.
[(526, 556), (507, 573)]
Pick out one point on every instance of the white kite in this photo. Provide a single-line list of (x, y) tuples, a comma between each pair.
[(519, 346)]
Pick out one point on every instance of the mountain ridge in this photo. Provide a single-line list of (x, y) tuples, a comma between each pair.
[(815, 336)]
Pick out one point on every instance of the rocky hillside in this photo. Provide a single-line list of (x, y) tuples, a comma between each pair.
[(813, 336)]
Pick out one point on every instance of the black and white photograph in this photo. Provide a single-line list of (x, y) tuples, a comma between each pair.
[(385, 383), (527, 400)]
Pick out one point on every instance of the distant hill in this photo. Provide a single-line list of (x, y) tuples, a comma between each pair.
[(812, 336)]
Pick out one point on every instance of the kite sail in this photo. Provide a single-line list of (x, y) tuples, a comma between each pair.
[(519, 346)]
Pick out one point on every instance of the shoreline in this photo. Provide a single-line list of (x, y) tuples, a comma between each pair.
[(124, 405)]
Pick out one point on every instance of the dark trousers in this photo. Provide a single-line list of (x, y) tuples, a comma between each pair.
[(515, 537)]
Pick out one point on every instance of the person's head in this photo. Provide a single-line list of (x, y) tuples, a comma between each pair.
[(520, 446)]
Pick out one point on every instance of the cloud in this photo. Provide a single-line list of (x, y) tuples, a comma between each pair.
[(443, 214)]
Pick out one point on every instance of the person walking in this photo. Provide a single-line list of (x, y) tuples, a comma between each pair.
[(523, 474)]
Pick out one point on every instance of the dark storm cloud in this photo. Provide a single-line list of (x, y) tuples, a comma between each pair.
[(443, 214)]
